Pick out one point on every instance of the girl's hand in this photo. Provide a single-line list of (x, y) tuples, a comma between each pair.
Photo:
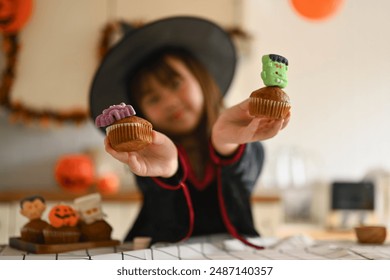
[(236, 126), (158, 159)]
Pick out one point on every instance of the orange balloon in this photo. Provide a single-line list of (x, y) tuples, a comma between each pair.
[(316, 9), (14, 14)]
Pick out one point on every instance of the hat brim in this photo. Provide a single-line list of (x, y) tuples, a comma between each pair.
[(205, 40)]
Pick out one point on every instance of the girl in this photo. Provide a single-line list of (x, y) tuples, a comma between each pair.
[(198, 173)]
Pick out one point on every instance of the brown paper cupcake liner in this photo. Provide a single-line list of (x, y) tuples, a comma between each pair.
[(58, 237), (129, 136), (32, 235), (265, 107), (97, 231)]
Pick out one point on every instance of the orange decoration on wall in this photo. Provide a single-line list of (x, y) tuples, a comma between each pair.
[(316, 9), (14, 14)]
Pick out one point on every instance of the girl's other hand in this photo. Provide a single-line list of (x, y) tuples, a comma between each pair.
[(236, 126)]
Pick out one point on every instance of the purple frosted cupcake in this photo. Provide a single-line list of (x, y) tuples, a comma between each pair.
[(126, 132)]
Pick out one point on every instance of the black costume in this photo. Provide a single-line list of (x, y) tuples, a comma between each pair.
[(181, 206), (165, 213)]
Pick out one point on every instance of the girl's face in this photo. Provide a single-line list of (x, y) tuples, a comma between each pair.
[(175, 109)]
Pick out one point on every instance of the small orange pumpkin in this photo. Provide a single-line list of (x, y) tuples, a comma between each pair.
[(75, 173), (108, 183), (63, 215), (14, 14)]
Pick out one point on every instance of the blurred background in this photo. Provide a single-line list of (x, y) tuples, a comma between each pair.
[(338, 74)]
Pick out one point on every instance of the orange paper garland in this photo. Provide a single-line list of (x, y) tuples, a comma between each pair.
[(22, 113)]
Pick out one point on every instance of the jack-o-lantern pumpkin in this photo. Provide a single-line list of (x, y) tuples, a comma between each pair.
[(75, 173), (14, 14), (63, 215)]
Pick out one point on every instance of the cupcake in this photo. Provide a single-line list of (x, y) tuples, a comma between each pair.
[(96, 231), (53, 235), (32, 207), (271, 101), (63, 225), (126, 132), (33, 231), (92, 225)]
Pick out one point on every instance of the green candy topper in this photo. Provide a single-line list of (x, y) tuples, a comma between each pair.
[(274, 70)]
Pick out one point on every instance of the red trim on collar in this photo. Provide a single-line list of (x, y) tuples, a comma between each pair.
[(162, 184), (191, 215), (225, 217), (219, 160), (187, 196), (199, 184)]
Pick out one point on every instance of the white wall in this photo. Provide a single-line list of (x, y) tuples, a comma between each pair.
[(337, 79), (338, 84), (56, 63)]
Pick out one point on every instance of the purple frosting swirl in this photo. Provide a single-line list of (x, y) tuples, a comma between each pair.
[(113, 114)]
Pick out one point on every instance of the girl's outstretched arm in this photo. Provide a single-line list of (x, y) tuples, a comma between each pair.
[(236, 126)]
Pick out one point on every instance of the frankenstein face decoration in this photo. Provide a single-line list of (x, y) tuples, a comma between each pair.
[(89, 207), (274, 70)]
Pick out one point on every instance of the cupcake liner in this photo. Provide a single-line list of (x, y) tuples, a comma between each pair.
[(271, 108), (32, 235), (129, 136), (97, 231), (33, 231), (58, 236)]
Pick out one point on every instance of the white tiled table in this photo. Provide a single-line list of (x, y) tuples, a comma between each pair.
[(221, 248)]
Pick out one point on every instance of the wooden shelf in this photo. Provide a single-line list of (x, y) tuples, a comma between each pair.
[(9, 196), (265, 198), (35, 248), (130, 196)]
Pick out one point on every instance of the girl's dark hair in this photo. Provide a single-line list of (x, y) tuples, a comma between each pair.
[(278, 58), (157, 66)]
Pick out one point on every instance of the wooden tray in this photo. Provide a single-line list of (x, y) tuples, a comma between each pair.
[(17, 243)]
